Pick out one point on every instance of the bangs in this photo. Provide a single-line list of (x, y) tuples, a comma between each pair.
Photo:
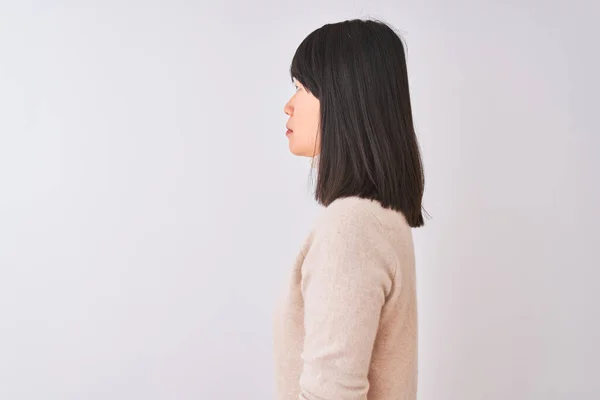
[(307, 63)]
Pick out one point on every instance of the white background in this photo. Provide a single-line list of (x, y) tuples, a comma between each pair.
[(149, 207)]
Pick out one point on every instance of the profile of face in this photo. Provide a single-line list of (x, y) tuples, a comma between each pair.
[(304, 114)]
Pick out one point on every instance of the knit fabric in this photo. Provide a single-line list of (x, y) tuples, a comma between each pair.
[(345, 327)]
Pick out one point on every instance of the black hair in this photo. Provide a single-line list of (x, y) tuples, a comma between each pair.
[(357, 69)]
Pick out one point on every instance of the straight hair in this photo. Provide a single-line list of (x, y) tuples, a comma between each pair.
[(357, 69)]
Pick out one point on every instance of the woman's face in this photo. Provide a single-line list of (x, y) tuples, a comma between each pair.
[(303, 125)]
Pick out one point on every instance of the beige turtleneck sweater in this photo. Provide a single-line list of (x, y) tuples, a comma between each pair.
[(345, 327)]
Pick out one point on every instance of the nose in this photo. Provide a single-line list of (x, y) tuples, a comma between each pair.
[(288, 109)]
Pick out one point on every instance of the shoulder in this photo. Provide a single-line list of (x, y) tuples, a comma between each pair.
[(349, 213), (349, 241), (360, 213), (358, 222), (351, 223)]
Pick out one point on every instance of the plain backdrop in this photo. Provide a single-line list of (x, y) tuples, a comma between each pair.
[(150, 208)]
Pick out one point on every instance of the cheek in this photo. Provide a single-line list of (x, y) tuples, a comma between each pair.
[(307, 118)]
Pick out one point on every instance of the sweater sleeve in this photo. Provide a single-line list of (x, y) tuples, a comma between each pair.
[(346, 277)]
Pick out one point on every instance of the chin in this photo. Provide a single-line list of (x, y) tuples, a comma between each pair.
[(297, 152)]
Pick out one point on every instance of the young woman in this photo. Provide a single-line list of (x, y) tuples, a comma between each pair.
[(346, 326)]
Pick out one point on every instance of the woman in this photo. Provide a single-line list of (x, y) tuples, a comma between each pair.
[(346, 326)]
